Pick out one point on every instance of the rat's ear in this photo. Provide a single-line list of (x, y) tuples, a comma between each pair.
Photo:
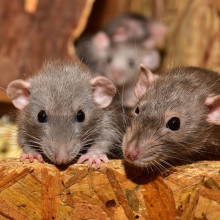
[(120, 34), (145, 78), (158, 33), (213, 103), (103, 91), (151, 59), (101, 41), (19, 92)]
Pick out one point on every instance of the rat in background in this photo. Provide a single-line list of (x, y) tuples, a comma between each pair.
[(134, 26), (129, 27), (121, 67), (177, 118), (66, 114)]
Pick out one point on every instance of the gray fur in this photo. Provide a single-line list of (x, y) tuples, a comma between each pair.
[(61, 89), (123, 59), (180, 92)]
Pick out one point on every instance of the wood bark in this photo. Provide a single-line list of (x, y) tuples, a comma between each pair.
[(42, 191), (193, 33), (33, 31)]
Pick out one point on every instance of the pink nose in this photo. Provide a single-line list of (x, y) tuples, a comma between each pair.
[(117, 74), (62, 157), (60, 160), (132, 154)]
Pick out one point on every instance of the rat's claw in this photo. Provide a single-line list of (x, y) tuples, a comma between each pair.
[(31, 157), (93, 158), (83, 158)]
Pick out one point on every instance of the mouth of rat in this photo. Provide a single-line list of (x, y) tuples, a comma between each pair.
[(146, 161)]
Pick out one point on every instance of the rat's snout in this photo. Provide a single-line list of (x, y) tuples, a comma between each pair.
[(132, 154), (61, 156), (117, 74), (131, 151)]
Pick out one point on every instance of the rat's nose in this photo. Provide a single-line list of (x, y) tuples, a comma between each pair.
[(60, 160), (116, 74), (132, 153), (62, 156)]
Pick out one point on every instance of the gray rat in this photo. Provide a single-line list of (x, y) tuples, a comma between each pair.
[(134, 26), (66, 114), (92, 50), (121, 66), (177, 117), (129, 27)]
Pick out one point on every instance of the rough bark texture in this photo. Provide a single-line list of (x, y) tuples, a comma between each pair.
[(33, 31), (194, 33), (42, 191)]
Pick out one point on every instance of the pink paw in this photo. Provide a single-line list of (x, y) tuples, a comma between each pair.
[(93, 158), (31, 157)]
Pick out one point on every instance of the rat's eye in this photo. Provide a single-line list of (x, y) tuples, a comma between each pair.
[(86, 43), (80, 116), (173, 124), (109, 60), (137, 110), (42, 116), (131, 63)]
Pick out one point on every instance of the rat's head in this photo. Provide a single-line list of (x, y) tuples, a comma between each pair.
[(175, 118), (123, 59), (136, 27), (60, 109)]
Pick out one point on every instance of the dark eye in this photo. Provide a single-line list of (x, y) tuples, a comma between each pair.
[(137, 110), (109, 60), (131, 63), (86, 43), (80, 116), (42, 116), (173, 124)]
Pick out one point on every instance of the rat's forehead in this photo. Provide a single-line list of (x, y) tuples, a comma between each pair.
[(64, 97), (163, 96), (61, 105)]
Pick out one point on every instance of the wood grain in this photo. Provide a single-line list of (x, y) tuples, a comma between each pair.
[(43, 191), (34, 31)]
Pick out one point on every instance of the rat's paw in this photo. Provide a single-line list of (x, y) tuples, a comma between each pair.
[(31, 157), (93, 158)]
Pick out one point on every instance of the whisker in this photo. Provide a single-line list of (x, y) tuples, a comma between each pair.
[(161, 136)]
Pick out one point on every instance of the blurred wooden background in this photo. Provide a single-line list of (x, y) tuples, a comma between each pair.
[(32, 31)]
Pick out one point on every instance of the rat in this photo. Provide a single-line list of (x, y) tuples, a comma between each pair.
[(92, 50), (121, 66), (129, 27), (66, 114), (134, 26), (177, 117)]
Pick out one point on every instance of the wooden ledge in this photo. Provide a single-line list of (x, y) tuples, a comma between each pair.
[(42, 191)]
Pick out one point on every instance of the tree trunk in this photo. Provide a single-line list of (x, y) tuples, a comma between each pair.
[(33, 31)]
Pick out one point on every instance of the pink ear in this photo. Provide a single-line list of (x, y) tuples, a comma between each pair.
[(158, 30), (103, 91), (213, 103), (158, 33), (145, 78), (151, 58), (120, 35), (19, 91), (101, 41)]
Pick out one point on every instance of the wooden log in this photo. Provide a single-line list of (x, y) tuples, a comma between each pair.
[(32, 31), (42, 191)]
